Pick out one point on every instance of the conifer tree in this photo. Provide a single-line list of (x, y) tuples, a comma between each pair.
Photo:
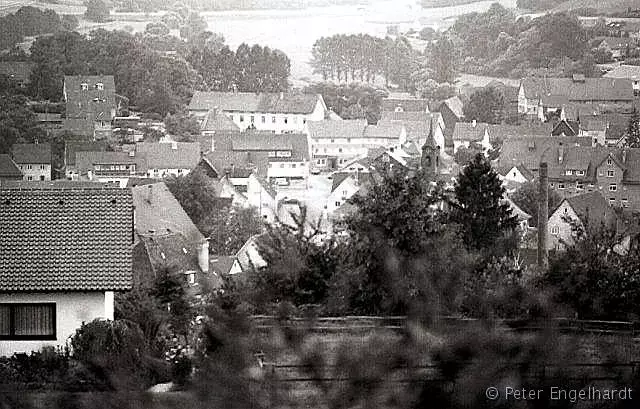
[(478, 206), (633, 131)]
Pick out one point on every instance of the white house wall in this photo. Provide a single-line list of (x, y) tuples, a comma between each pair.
[(72, 309), (559, 230), (35, 171)]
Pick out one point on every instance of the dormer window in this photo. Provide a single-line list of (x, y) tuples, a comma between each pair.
[(609, 162), (100, 86), (84, 86)]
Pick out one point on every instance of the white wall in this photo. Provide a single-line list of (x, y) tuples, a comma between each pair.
[(288, 170), (564, 233), (72, 309), (35, 170)]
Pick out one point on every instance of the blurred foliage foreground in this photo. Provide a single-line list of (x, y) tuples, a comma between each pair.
[(241, 362)]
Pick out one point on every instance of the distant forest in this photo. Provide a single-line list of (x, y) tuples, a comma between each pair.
[(216, 5)]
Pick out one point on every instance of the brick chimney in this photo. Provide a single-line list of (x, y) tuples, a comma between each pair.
[(543, 217)]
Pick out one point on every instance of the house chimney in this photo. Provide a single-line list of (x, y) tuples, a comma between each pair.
[(560, 153), (203, 256), (543, 217), (473, 123)]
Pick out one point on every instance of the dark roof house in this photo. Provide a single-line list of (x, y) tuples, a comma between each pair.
[(294, 103), (31, 153), (8, 169)]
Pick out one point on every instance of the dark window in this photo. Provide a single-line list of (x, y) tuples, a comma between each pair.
[(28, 321)]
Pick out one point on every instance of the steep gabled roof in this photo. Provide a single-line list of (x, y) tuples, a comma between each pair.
[(286, 103), (65, 240), (8, 168), (592, 208), (384, 129), (31, 153), (455, 105), (158, 212), (92, 103)]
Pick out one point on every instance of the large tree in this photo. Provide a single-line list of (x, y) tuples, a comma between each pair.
[(196, 194), (443, 60), (632, 136), (97, 10), (479, 208), (486, 105), (526, 197)]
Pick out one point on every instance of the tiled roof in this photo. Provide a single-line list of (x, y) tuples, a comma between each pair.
[(158, 212), (384, 129), (16, 70), (85, 161), (218, 121), (566, 128), (455, 105), (238, 163), (290, 103), (65, 240), (575, 112), (417, 130), (591, 89), (221, 265), (406, 104), (186, 155), (503, 132), (359, 177), (48, 117), (92, 103), (468, 131), (79, 126), (31, 153), (171, 252), (59, 184), (594, 125), (407, 116), (630, 72), (592, 207), (71, 147), (528, 151), (348, 128), (8, 168), (261, 142)]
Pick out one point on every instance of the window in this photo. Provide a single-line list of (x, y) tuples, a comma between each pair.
[(560, 185), (569, 172), (272, 154), (241, 118), (286, 120), (100, 86), (293, 165), (333, 140), (580, 172), (41, 167), (29, 167), (625, 202), (273, 119), (555, 230), (41, 177), (612, 201), (340, 150), (252, 118), (263, 119), (344, 193), (190, 277), (611, 173), (348, 140), (29, 177), (609, 162), (282, 166), (579, 186), (337, 204), (613, 187), (28, 321), (84, 86)]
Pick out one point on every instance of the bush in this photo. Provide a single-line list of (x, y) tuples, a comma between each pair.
[(115, 352)]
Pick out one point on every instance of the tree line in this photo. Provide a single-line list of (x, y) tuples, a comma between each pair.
[(31, 21), (361, 57)]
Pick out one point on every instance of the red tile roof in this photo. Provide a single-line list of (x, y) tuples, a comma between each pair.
[(65, 240)]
